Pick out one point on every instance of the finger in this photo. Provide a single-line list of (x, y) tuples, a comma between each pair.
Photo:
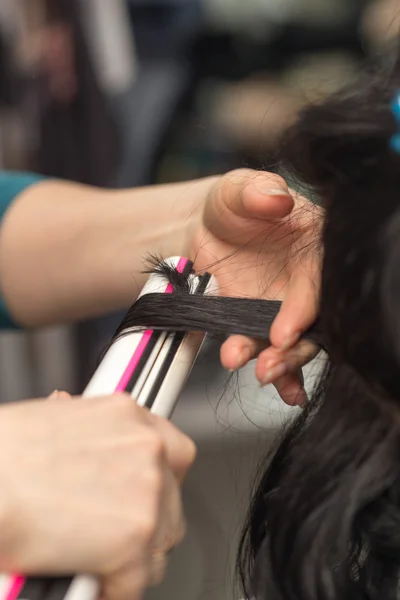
[(300, 376), (171, 522), (157, 569), (272, 363), (299, 310), (291, 390), (180, 450), (172, 528), (238, 350), (127, 584), (256, 194), (284, 371)]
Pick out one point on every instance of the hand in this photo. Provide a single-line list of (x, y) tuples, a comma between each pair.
[(91, 486), (262, 240)]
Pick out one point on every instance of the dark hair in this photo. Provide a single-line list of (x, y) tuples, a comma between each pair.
[(325, 519), (324, 523), (220, 316)]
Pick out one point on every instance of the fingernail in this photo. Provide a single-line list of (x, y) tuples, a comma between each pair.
[(54, 395), (275, 192), (274, 373), (243, 357), (290, 341)]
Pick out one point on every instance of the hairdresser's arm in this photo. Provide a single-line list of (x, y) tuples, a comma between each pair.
[(68, 251)]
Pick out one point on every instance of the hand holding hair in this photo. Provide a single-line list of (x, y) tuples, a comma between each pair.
[(262, 240)]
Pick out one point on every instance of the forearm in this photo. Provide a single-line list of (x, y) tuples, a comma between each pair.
[(69, 252)]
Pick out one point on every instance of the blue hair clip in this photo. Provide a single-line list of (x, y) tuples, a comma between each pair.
[(395, 139)]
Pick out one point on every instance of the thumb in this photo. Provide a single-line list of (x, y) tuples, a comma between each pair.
[(252, 194)]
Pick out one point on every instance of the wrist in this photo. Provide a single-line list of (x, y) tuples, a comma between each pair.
[(132, 224)]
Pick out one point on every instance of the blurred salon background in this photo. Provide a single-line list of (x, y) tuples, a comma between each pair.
[(125, 93)]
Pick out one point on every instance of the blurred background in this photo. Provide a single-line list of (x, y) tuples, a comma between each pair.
[(122, 93)]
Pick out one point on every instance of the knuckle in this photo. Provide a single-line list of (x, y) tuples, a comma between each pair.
[(123, 403), (190, 452), (153, 483), (237, 176), (127, 409), (240, 172), (135, 534), (143, 531), (153, 445)]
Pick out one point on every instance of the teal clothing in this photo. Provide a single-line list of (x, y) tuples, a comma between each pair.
[(11, 185)]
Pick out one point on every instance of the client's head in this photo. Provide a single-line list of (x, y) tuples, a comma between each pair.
[(325, 520)]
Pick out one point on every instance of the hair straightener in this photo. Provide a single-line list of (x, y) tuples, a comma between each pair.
[(152, 366)]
